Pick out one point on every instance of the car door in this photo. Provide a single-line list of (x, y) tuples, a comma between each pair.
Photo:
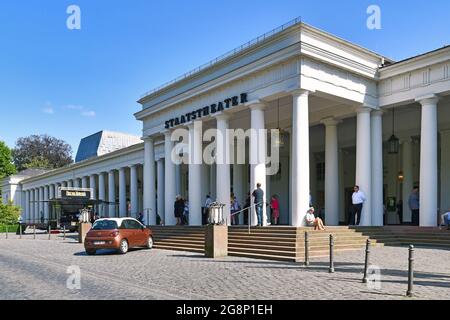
[(128, 232), (139, 232)]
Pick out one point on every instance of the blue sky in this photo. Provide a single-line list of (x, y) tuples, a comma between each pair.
[(72, 83)]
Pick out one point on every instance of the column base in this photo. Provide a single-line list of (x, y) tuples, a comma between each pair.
[(216, 241)]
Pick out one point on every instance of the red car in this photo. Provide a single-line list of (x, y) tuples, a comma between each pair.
[(120, 234)]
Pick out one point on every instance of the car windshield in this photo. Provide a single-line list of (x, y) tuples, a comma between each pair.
[(105, 225)]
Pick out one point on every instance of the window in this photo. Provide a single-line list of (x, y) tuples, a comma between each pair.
[(320, 171)]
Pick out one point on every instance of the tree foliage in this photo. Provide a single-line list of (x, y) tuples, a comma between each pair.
[(7, 168), (9, 213), (41, 151)]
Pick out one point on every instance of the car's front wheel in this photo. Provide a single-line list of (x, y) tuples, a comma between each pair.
[(149, 243), (123, 248)]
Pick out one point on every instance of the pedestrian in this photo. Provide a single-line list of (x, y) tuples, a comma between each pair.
[(141, 217), (445, 219), (179, 209), (414, 206), (235, 207), (313, 221), (258, 197), (206, 208), (185, 218), (358, 199), (275, 208)]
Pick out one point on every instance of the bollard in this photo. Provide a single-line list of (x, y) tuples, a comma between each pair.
[(306, 249), (49, 232), (331, 269), (64, 232), (20, 231), (410, 292), (34, 232), (366, 264), (6, 226)]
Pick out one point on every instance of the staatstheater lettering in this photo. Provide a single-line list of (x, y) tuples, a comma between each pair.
[(206, 111)]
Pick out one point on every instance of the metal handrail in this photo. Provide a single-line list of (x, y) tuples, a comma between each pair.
[(227, 55), (250, 215)]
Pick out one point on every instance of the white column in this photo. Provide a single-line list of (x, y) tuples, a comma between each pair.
[(169, 182), (428, 162), (122, 193), (331, 172), (36, 205), (134, 191), (212, 180), (45, 203), (102, 193), (84, 182), (178, 179), (363, 161), (27, 206), (149, 182), (93, 187), (112, 194), (195, 174), (376, 127), (408, 180), (258, 156), (206, 186), (300, 158), (52, 192), (160, 190), (41, 204), (223, 167)]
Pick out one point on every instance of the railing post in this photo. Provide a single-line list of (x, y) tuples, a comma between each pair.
[(366, 263), (306, 248), (331, 269), (410, 291)]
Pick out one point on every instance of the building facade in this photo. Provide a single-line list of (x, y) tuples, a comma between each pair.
[(337, 105)]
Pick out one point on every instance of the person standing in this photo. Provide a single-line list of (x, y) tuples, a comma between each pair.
[(258, 197), (414, 206), (275, 206), (358, 199), (179, 209)]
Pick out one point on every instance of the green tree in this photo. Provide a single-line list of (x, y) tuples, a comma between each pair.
[(42, 151), (7, 167), (9, 213)]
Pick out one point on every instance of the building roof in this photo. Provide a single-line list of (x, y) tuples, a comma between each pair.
[(104, 142)]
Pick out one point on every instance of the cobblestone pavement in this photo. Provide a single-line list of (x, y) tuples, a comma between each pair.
[(36, 269)]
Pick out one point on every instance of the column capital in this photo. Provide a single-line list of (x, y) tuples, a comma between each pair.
[(331, 121), (377, 113), (257, 105), (430, 99), (363, 109), (149, 138), (222, 117), (300, 92)]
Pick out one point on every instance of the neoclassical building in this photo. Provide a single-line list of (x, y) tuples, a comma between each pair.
[(347, 116)]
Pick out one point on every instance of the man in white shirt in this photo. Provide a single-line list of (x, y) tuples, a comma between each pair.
[(358, 199)]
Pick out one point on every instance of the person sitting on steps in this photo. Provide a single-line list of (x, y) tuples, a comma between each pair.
[(312, 221)]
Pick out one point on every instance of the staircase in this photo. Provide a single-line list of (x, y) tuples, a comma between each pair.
[(406, 235), (179, 238), (288, 243)]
